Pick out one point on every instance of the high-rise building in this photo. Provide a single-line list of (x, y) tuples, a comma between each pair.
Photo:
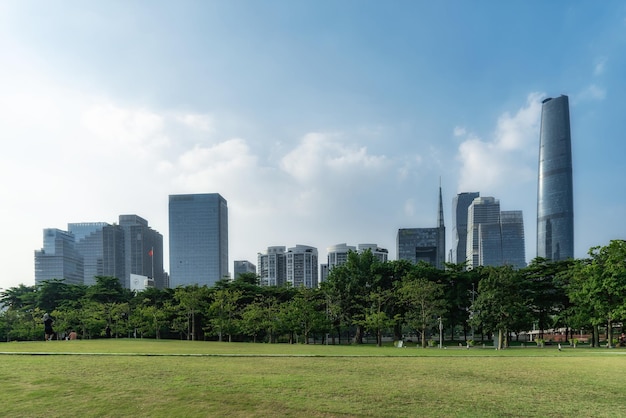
[(143, 251), (424, 244), (243, 266), (59, 258), (460, 204), (555, 196), (382, 254), (302, 266), (494, 237), (198, 225), (483, 239), (338, 254), (272, 266), (102, 248), (513, 242)]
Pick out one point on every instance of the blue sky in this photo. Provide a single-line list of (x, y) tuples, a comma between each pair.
[(321, 122)]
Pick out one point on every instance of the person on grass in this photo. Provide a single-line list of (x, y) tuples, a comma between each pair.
[(47, 324)]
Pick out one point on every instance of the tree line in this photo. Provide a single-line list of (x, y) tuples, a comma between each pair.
[(362, 298)]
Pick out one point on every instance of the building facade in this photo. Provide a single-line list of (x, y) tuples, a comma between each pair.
[(59, 258), (243, 266), (381, 254), (302, 266), (513, 241), (494, 237), (272, 266), (424, 244), (143, 250), (338, 254), (555, 196), (483, 238), (102, 248), (198, 225), (460, 205)]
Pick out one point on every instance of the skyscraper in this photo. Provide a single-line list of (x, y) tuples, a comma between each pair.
[(143, 250), (58, 259), (460, 204), (102, 248), (555, 201), (243, 266), (198, 239), (302, 266), (494, 237), (272, 266), (513, 242), (484, 244), (424, 244)]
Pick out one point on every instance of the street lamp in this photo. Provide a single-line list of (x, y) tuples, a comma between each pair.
[(440, 333)]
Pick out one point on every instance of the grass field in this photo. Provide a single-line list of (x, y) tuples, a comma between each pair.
[(146, 378)]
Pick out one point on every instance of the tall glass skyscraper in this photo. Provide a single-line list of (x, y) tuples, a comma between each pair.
[(143, 250), (484, 242), (59, 258), (102, 248), (198, 225), (555, 201)]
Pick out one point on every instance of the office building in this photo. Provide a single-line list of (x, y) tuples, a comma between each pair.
[(102, 248), (460, 205), (494, 237), (555, 201), (424, 244), (484, 243), (381, 254), (513, 242), (302, 266), (243, 266), (198, 225), (143, 251), (59, 258)]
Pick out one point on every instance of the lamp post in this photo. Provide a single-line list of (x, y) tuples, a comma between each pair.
[(440, 333)]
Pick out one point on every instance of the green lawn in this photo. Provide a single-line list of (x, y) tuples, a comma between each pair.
[(146, 378)]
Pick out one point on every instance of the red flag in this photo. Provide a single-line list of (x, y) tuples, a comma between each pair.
[(150, 253)]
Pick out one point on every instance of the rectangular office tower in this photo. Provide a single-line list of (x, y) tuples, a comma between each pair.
[(59, 258), (555, 202), (424, 244), (460, 205), (198, 239)]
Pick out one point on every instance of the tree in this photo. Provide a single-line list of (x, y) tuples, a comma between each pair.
[(192, 299), (599, 285), (252, 319), (348, 287), (502, 303), (223, 312), (424, 300), (548, 298), (377, 320)]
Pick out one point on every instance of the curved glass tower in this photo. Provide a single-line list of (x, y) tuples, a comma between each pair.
[(555, 202)]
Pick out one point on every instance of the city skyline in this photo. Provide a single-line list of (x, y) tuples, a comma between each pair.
[(319, 122)]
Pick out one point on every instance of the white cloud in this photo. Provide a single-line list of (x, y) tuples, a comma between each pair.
[(459, 131), (201, 122), (591, 93), (324, 155), (600, 66), (509, 159), (123, 129)]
